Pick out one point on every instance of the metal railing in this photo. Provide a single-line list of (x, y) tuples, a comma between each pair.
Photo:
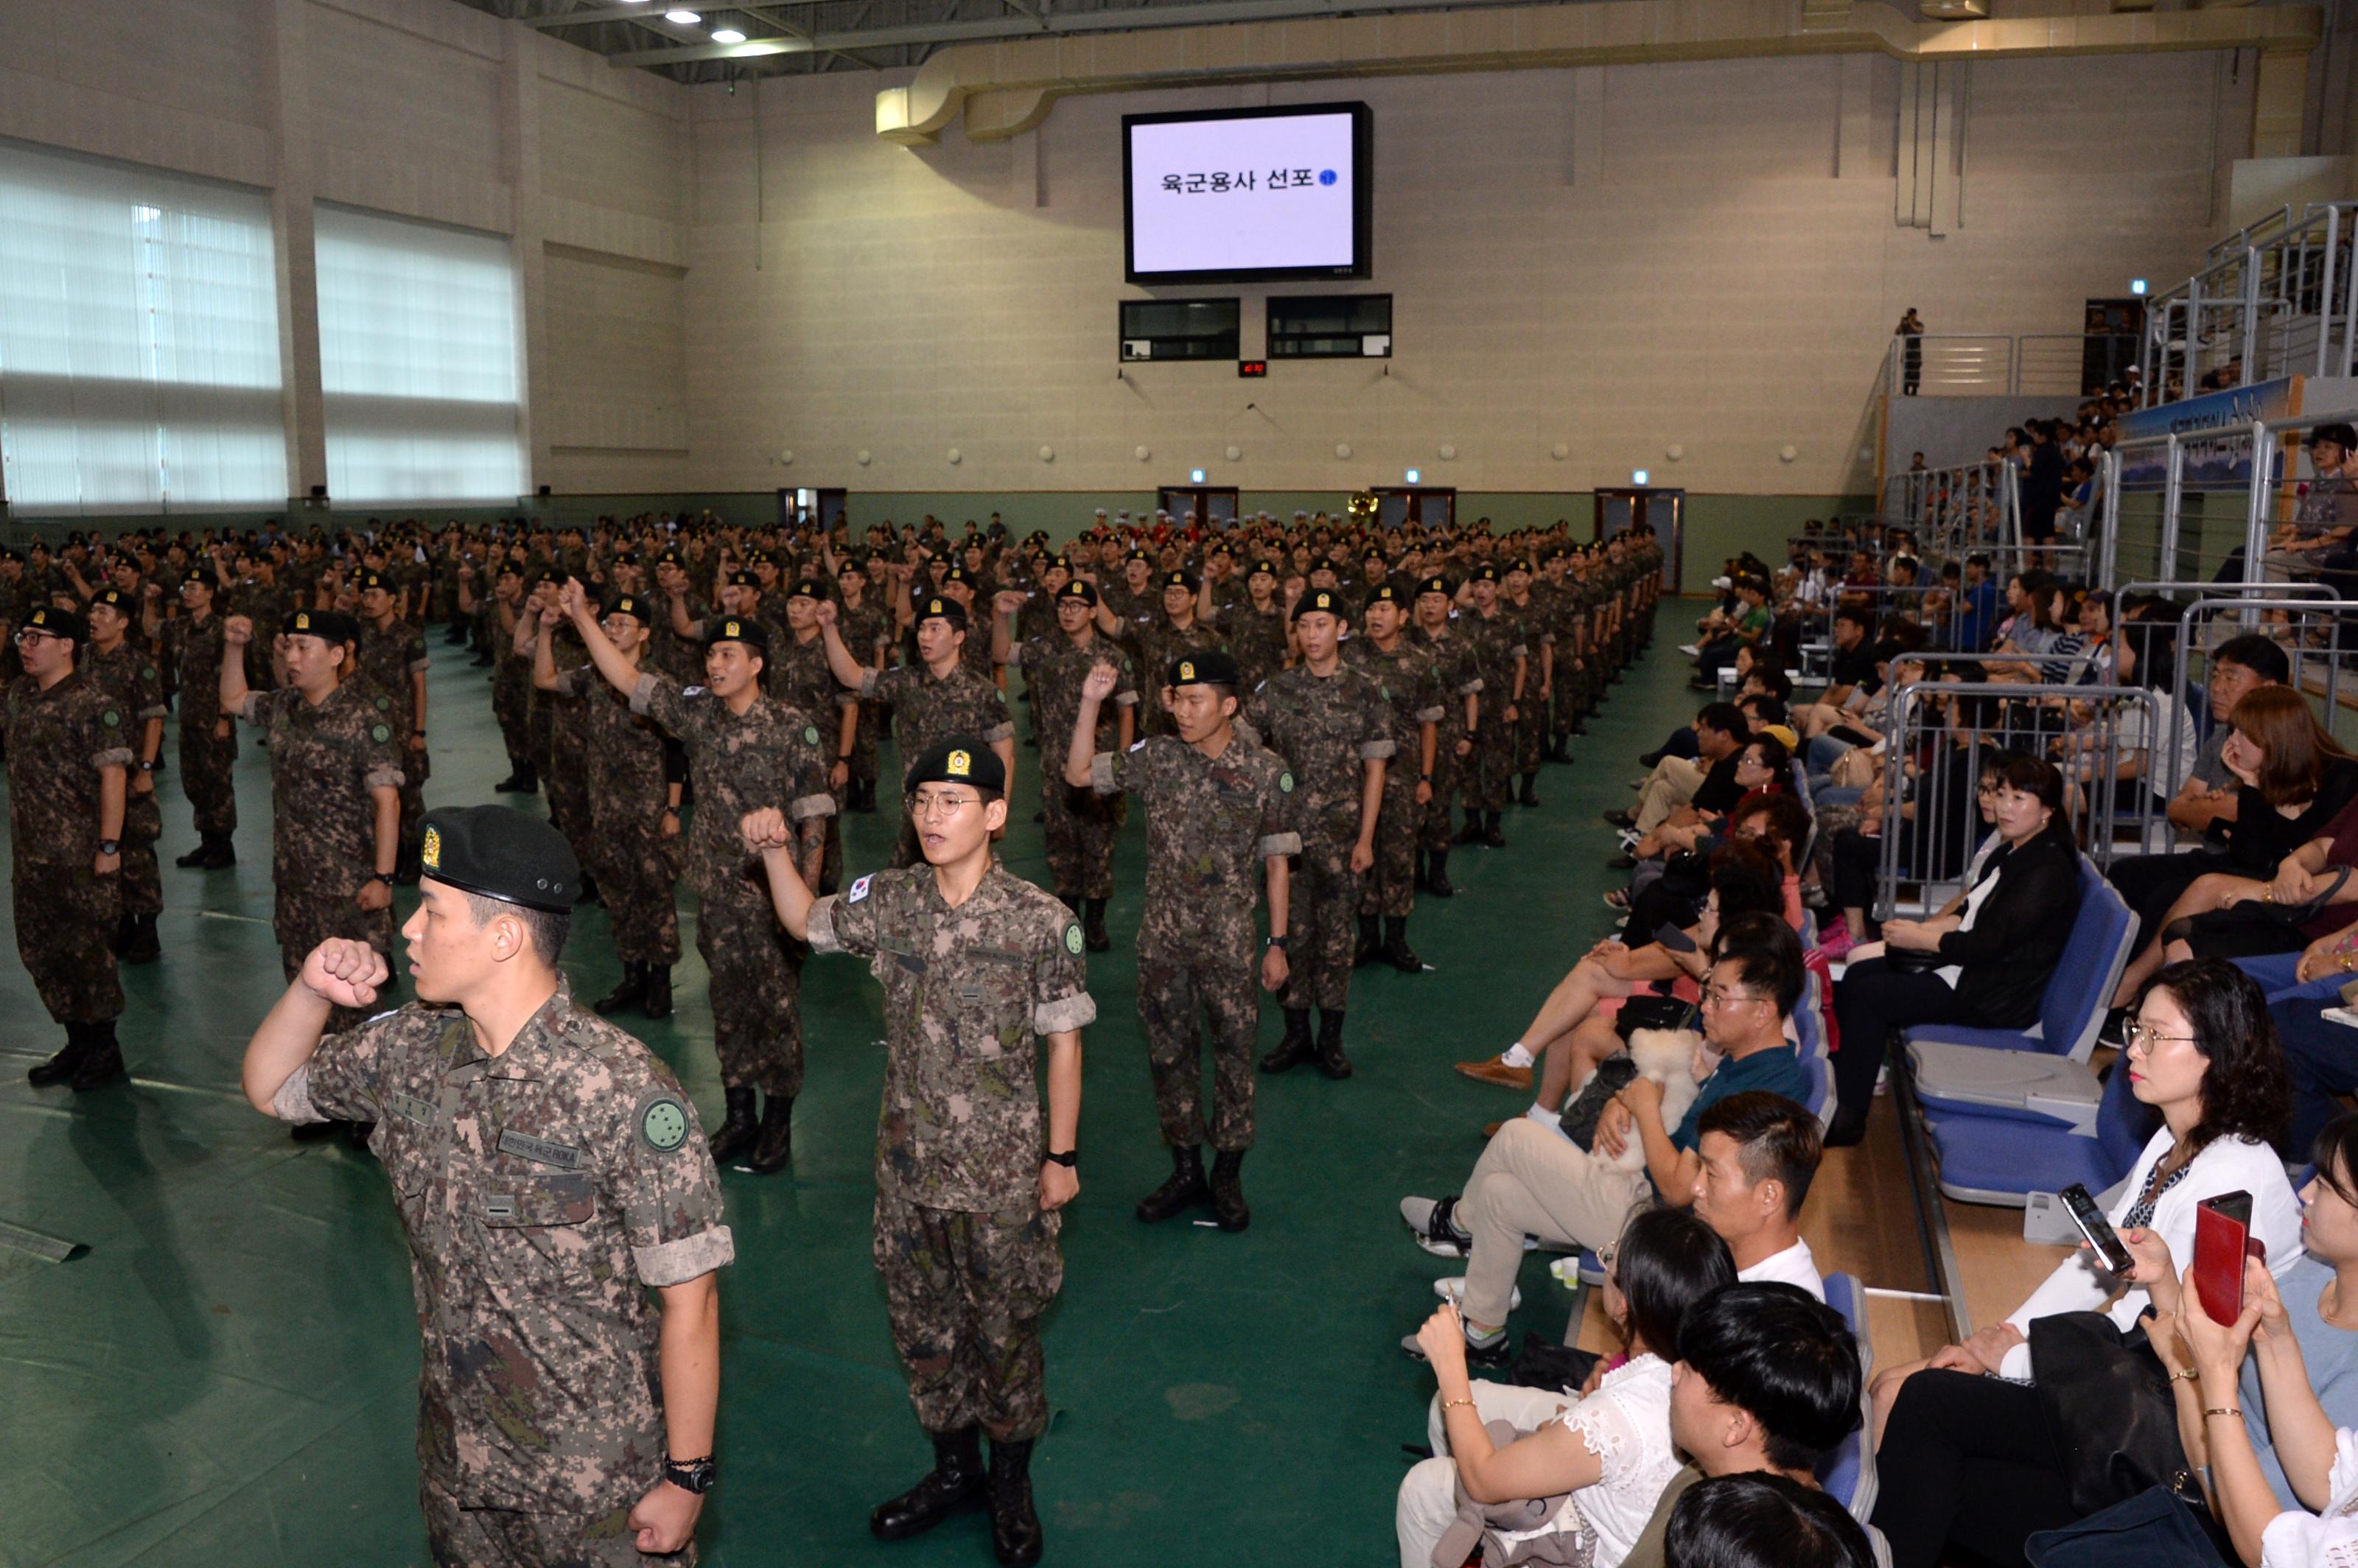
[(1993, 365), (2278, 297), (2244, 467)]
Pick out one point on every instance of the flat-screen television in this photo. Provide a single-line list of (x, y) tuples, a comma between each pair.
[(1248, 195)]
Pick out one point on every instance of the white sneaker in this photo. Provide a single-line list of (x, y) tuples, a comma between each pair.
[(1418, 1215), (1453, 1289), (1689, 649), (1630, 837)]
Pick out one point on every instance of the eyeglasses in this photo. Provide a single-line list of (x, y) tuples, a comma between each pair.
[(1714, 997), (26, 634), (2139, 1036), (930, 806)]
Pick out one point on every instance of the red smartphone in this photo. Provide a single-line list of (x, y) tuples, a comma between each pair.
[(2223, 1240)]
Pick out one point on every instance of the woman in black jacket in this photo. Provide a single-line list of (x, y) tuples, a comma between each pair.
[(1996, 953)]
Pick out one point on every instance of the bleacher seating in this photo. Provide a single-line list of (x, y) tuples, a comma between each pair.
[(1848, 1473), (2001, 1159)]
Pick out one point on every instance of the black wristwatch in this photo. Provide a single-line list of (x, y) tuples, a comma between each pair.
[(147, 767), (1277, 942), (110, 846), (691, 1475), (1070, 1159)]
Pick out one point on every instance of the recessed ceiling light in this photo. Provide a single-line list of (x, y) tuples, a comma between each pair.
[(727, 35), (685, 18)]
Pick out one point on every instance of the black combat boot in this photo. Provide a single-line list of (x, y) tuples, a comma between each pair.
[(1560, 747), (1295, 1048), (1530, 795), (1472, 832), (1071, 901), (1436, 874), (521, 779), (1183, 1190), (1397, 951), (1331, 1060), (1227, 1190), (1093, 931), (589, 893), (143, 945), (656, 1004), (773, 1146), (956, 1484), (223, 853), (630, 993), (866, 804), (195, 859), (735, 1134), (1490, 834), (1014, 1524), (1423, 878), (102, 1063), (1364, 951), (59, 1068)]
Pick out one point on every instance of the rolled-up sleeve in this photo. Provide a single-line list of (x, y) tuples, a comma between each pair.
[(669, 1198), (1376, 751), (805, 808), (1272, 845)]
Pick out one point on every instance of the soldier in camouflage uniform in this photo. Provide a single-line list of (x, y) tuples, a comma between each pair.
[(505, 611), (940, 695), (125, 675), (1332, 727), (1500, 657), (1217, 806), (798, 676), (68, 756), (392, 670), (1255, 626), (1405, 674), (1572, 682), (1173, 633), (1081, 825), (208, 756), (975, 962), (335, 785), (633, 786), (564, 1218), (745, 751), (1527, 736), (865, 623)]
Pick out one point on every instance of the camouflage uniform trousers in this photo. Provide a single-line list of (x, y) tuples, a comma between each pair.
[(1490, 767), (636, 870), (1323, 918), (1434, 826), (1081, 828), (1390, 886), (511, 708), (1175, 997), (207, 777), (964, 1293), (65, 934), (830, 865), (755, 990), (417, 767), (1528, 735), (866, 737), (142, 882), (566, 779), (503, 1538), (540, 737), (304, 918)]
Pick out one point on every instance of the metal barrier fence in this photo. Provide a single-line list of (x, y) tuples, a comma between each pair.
[(1993, 365), (2290, 613), (2278, 297), (2102, 736), (1955, 509)]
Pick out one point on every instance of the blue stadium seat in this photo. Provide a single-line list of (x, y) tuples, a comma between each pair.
[(2004, 1159), (1848, 1473), (2041, 1076)]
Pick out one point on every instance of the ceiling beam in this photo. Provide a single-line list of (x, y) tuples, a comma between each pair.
[(1059, 23)]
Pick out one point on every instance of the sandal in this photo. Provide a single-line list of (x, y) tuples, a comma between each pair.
[(1618, 899)]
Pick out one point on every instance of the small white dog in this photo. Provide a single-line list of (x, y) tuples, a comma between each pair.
[(1676, 1059)]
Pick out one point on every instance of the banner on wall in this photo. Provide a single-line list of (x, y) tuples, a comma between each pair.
[(2209, 463)]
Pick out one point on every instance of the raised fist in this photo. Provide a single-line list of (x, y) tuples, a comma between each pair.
[(764, 829), (345, 973), (238, 631), (1099, 684)]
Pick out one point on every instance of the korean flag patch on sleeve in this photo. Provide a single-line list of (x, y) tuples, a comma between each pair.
[(859, 890)]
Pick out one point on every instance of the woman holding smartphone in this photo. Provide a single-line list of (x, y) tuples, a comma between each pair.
[(1964, 1455)]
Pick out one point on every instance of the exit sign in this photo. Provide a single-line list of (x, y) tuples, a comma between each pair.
[(1252, 367)]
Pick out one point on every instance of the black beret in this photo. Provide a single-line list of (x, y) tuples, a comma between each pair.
[(507, 568), (1263, 566), (956, 574), (1078, 590), (1485, 572), (1058, 563), (373, 579), (497, 852), (114, 599), (1322, 565), (1522, 567), (1321, 599), (935, 607), (1434, 584), (737, 629), (629, 604), (1187, 580), (1209, 667), (328, 625), (57, 622), (962, 759), (808, 587), (1387, 593), (743, 579)]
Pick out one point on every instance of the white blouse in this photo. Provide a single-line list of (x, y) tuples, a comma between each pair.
[(2226, 1164), (2329, 1540), (1627, 1425)]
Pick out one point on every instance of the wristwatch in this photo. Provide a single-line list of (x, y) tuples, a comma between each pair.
[(1277, 942), (147, 767), (110, 846), (1070, 1159), (691, 1475)]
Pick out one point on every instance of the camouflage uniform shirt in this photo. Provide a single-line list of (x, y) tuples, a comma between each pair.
[(769, 755), (1210, 823), (324, 761), (1325, 728), (966, 992), (543, 1192), (925, 709), (59, 743)]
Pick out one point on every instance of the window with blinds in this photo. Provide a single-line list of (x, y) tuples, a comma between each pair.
[(418, 362), (138, 340)]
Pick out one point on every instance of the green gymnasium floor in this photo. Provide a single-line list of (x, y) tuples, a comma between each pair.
[(228, 1376)]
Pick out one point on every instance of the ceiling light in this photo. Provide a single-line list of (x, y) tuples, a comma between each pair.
[(685, 18), (727, 35)]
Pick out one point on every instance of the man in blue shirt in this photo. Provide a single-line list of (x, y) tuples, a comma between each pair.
[(1533, 1181), (1977, 606)]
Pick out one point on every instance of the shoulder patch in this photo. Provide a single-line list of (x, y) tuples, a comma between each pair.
[(384, 705), (1139, 744), (810, 735), (379, 734), (1073, 940), (1285, 783), (148, 674), (111, 718), (859, 890), (663, 1122), (691, 691)]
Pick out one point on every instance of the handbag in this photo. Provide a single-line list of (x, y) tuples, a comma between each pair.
[(2105, 1399), (2279, 922), (2155, 1528), (1853, 770), (1912, 961), (1646, 1011)]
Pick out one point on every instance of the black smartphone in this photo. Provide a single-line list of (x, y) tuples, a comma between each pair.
[(2102, 1237), (1676, 940)]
